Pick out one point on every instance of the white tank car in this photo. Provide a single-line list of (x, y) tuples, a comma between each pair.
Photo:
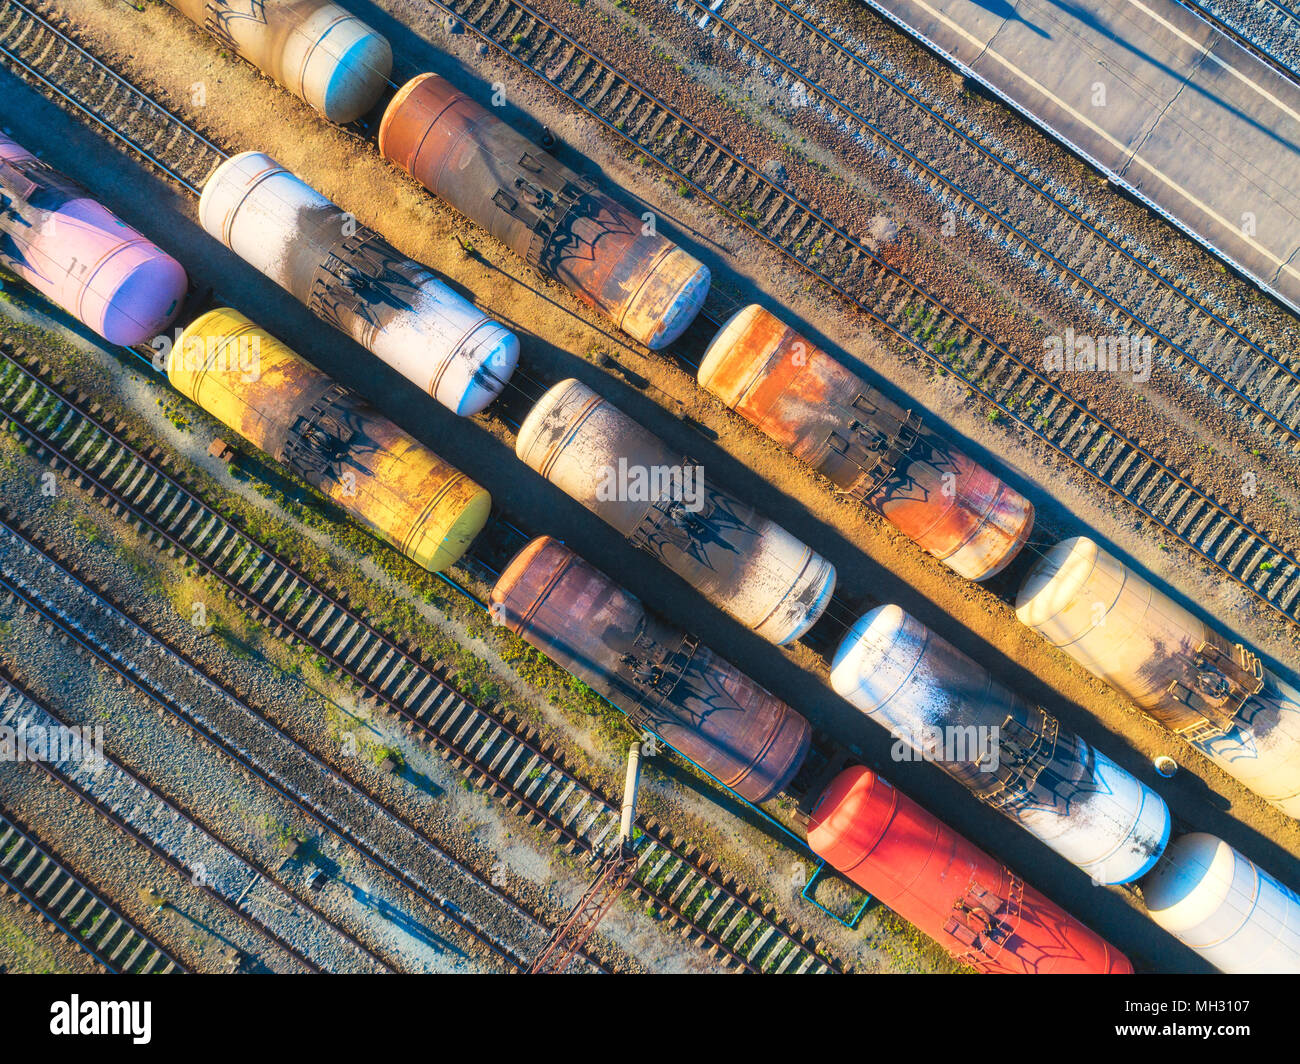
[(1174, 666), (1225, 907), (314, 48), (1014, 756), (739, 560), (352, 278)]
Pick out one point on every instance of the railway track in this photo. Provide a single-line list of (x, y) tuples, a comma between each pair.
[(315, 790), (127, 802), (1062, 241), (921, 321), (494, 749), (32, 873), (1268, 29), (33, 46)]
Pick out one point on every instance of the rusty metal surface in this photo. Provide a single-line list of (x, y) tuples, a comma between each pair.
[(656, 674), (1170, 663), (738, 559), (867, 446), (330, 437), (550, 216)]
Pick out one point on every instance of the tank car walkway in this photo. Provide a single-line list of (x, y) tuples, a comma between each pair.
[(1159, 100)]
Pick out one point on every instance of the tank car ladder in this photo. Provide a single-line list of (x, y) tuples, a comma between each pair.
[(873, 451)]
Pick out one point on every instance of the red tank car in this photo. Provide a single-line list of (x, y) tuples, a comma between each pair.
[(662, 678), (870, 448), (973, 906)]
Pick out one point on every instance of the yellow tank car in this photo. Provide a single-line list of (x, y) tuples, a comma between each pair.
[(330, 436)]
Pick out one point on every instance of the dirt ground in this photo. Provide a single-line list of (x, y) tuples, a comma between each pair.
[(560, 338)]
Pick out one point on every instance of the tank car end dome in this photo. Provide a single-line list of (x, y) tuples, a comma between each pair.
[(225, 188), (1051, 590), (1220, 904), (845, 824), (876, 656), (505, 611), (392, 114), (549, 415), (314, 49), (804, 602), (669, 299), (352, 82), (730, 366), (146, 299), (487, 359), (440, 540)]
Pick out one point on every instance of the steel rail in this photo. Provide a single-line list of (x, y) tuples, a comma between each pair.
[(1192, 516), (81, 913), (322, 817), (10, 680)]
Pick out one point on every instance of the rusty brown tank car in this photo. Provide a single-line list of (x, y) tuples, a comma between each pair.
[(556, 220), (869, 447), (662, 678)]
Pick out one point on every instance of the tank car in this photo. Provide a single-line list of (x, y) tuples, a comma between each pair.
[(352, 278), (313, 48), (941, 705), (659, 499), (80, 255), (658, 675), (1184, 674), (329, 436), (870, 448), (982, 913), (1225, 907), (557, 221)]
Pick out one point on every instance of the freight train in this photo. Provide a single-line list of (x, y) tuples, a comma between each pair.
[(739, 560), (977, 909), (1212, 693), (1181, 672), (1015, 757), (1188, 677), (872, 450), (352, 278), (1070, 796), (867, 446), (554, 219), (80, 255)]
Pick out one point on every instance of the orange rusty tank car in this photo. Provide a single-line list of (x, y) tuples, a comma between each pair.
[(870, 448)]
